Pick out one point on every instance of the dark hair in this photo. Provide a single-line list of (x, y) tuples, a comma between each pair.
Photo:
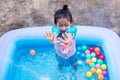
[(63, 13)]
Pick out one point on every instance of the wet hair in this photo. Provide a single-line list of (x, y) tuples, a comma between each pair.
[(63, 13)]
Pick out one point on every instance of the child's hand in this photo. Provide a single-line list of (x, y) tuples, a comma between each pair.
[(68, 39), (52, 37)]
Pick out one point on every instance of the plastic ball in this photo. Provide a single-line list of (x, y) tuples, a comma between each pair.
[(82, 55), (100, 77), (91, 49), (87, 51), (78, 48), (102, 57), (88, 74), (79, 62), (97, 66), (88, 56), (94, 59), (103, 66), (92, 65), (32, 52), (88, 61), (93, 70), (104, 73), (84, 47), (100, 61), (93, 54), (98, 54), (99, 71), (97, 49), (78, 53)]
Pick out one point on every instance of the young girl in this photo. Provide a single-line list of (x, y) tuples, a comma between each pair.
[(63, 37)]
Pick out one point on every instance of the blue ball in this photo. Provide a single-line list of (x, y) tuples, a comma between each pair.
[(78, 53), (82, 55)]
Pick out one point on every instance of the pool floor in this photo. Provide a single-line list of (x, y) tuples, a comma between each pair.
[(43, 66)]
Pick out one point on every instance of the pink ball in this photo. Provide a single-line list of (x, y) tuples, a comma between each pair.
[(105, 73), (87, 51), (97, 66)]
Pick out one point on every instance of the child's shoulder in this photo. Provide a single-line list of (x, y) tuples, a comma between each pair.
[(55, 29)]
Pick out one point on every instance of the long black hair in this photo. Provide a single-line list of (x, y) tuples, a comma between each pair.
[(63, 13)]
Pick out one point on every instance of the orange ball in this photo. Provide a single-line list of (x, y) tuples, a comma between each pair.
[(32, 52), (100, 77), (97, 49), (88, 61), (93, 70)]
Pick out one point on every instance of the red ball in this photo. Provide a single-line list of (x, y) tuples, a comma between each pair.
[(102, 57), (91, 49), (98, 54)]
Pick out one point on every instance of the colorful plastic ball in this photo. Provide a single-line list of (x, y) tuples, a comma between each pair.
[(32, 52), (88, 61), (100, 77), (91, 49), (102, 57), (92, 65), (84, 47), (94, 59), (87, 51), (78, 53), (79, 62), (88, 56), (98, 54), (99, 71), (100, 61), (93, 54), (103, 66), (82, 55), (97, 49), (104, 73), (88, 74), (78, 48), (93, 70), (97, 66)]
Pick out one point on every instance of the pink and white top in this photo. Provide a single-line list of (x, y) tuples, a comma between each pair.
[(67, 50)]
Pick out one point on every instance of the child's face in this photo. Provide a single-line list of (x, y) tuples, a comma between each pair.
[(63, 24)]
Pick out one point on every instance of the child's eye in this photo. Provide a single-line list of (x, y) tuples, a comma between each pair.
[(66, 25), (60, 25)]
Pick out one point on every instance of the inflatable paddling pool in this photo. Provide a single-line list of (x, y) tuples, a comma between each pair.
[(25, 54)]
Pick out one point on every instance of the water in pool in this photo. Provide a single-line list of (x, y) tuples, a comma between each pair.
[(43, 65)]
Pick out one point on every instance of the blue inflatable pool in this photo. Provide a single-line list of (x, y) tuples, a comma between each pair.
[(16, 62)]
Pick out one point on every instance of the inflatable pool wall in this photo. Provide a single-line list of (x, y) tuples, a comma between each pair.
[(107, 39)]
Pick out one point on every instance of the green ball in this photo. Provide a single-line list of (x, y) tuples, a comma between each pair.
[(100, 62), (88, 56), (84, 47), (92, 65)]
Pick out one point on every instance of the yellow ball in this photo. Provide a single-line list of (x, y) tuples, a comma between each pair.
[(103, 66), (32, 52), (99, 71), (94, 59), (88, 74)]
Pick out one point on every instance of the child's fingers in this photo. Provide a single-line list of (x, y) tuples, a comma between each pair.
[(65, 38), (62, 40)]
